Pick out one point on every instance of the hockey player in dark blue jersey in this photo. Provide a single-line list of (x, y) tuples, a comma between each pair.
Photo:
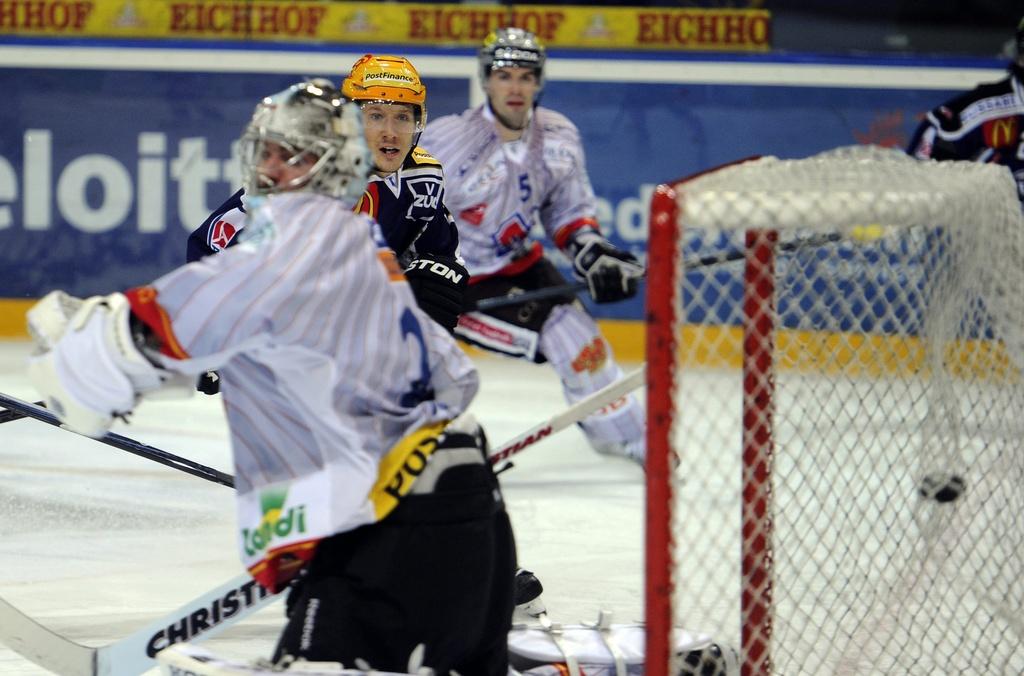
[(405, 194), (985, 124)]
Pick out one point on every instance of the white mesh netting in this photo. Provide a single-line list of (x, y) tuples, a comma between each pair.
[(895, 332)]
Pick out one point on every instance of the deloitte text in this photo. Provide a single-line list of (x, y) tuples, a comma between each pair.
[(135, 195), (627, 219), (135, 191)]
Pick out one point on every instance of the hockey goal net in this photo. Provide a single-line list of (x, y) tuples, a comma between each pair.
[(834, 350)]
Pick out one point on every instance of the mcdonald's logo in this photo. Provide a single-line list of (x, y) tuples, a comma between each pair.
[(1000, 133)]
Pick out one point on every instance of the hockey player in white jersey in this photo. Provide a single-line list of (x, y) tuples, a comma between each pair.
[(340, 395), (513, 165)]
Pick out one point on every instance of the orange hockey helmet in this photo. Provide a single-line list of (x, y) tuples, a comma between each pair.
[(388, 79)]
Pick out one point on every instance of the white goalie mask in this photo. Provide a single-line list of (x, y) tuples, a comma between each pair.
[(316, 128)]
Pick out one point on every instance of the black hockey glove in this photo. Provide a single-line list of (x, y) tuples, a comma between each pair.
[(611, 273), (439, 284), (209, 383)]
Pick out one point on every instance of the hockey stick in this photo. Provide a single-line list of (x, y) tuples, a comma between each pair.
[(199, 619), (125, 444), (572, 288), (569, 289), (222, 607), (572, 415), (9, 415)]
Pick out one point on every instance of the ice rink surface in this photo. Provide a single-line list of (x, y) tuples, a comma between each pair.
[(95, 542)]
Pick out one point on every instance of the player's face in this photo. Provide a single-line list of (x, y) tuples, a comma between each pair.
[(511, 92), (390, 128), (282, 168)]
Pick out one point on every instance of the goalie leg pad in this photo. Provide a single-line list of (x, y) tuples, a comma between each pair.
[(611, 650), (88, 370), (183, 658)]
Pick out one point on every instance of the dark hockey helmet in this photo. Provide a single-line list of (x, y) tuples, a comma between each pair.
[(308, 118), (512, 48)]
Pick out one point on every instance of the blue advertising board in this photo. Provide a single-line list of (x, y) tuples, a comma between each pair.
[(104, 172)]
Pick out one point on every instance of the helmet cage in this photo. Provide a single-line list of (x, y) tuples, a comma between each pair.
[(254, 144), (308, 118)]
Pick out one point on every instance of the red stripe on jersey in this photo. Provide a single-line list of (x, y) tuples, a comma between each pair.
[(566, 232), (280, 565), (144, 306), (369, 203), (474, 215)]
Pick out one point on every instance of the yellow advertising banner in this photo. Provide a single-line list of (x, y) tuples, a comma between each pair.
[(745, 30)]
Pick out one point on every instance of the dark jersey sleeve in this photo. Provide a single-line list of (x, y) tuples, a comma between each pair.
[(917, 146), (981, 124), (218, 231), (927, 141)]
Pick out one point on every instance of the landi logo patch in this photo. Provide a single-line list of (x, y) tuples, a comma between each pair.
[(276, 522)]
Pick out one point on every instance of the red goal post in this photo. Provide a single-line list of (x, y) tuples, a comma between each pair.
[(842, 395)]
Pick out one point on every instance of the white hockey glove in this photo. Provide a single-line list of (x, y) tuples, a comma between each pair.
[(611, 273), (86, 364)]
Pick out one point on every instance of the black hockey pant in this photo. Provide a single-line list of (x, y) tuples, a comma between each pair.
[(438, 571)]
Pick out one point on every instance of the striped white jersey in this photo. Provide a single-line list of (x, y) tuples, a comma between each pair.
[(326, 360), (497, 191)]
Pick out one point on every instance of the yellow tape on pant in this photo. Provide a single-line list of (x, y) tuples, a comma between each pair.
[(400, 467)]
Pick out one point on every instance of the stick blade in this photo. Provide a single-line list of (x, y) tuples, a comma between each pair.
[(49, 650)]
